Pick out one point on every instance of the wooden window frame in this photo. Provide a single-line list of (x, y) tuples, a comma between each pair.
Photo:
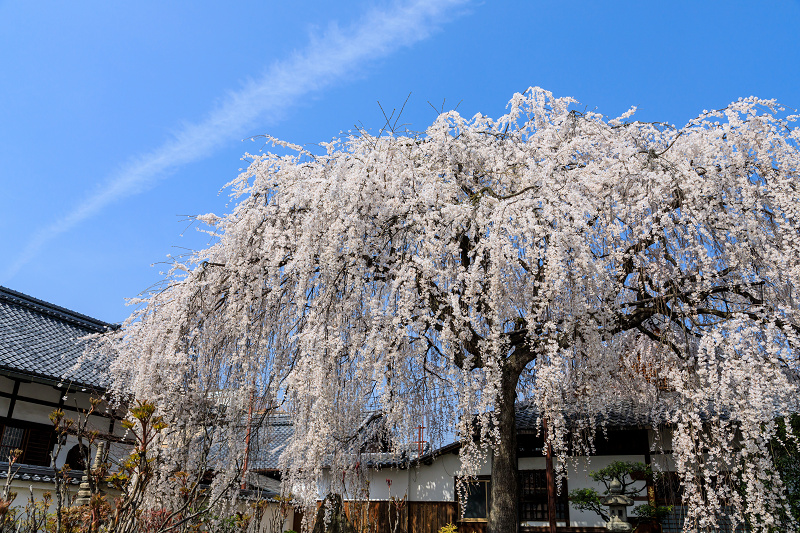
[(37, 441), (560, 498), (477, 479)]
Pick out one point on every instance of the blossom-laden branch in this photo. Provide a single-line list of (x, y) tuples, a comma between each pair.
[(420, 276)]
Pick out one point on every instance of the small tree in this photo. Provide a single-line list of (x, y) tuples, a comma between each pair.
[(629, 475), (8, 513), (137, 471)]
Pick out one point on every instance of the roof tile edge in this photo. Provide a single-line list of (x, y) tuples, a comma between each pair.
[(57, 311)]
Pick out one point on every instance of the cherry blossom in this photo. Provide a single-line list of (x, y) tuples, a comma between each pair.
[(549, 256)]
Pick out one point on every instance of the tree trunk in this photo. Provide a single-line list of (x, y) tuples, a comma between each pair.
[(503, 517), (551, 485)]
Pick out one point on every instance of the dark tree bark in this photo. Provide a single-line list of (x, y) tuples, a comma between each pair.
[(338, 518), (551, 485), (503, 516)]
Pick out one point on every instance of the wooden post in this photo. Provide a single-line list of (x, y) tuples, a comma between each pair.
[(551, 482), (419, 442), (651, 491)]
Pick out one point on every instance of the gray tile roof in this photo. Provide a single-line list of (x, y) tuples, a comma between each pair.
[(43, 474), (623, 414), (271, 432), (263, 486), (41, 340), (271, 437)]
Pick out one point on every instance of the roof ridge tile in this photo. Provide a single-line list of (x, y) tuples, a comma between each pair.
[(54, 310)]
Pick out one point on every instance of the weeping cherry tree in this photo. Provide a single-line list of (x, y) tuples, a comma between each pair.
[(438, 278)]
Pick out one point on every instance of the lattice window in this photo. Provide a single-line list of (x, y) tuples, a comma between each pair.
[(13, 438), (533, 497), (35, 441)]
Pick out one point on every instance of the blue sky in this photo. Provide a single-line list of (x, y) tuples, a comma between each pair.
[(120, 119)]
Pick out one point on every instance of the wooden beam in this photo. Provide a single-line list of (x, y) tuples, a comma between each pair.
[(13, 396)]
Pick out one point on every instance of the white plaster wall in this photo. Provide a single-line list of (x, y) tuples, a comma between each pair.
[(379, 489), (6, 385), (24, 488), (531, 463), (433, 482), (323, 485), (40, 392), (272, 511), (31, 412), (436, 482)]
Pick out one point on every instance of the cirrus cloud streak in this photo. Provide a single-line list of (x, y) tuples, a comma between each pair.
[(324, 61)]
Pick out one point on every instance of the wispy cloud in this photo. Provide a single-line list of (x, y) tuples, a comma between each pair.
[(324, 61)]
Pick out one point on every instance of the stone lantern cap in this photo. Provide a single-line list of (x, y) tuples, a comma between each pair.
[(616, 497)]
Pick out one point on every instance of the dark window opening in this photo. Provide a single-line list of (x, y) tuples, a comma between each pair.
[(478, 500), (610, 442), (668, 490), (35, 441), (76, 457)]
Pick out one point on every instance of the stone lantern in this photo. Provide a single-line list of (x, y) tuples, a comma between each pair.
[(85, 490), (617, 506)]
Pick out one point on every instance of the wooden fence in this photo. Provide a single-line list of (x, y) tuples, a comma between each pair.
[(425, 517), (406, 517)]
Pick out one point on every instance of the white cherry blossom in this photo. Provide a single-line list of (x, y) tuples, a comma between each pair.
[(548, 255)]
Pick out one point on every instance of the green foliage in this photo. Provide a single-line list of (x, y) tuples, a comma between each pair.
[(588, 500), (628, 474), (654, 512), (449, 528)]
